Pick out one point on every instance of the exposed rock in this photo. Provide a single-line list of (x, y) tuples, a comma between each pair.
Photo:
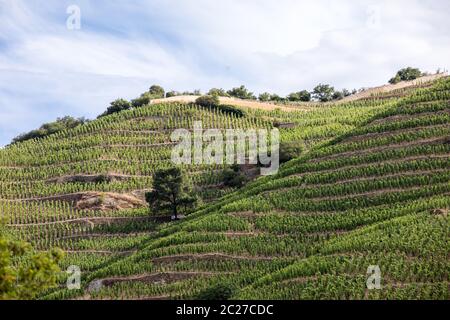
[(439, 212), (285, 125), (108, 201), (95, 286)]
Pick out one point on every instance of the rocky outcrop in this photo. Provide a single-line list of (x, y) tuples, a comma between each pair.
[(108, 201)]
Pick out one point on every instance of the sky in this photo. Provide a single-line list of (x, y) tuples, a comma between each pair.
[(51, 66)]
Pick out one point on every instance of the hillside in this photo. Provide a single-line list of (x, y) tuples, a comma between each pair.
[(371, 188)]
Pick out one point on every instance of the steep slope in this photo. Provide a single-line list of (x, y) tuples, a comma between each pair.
[(376, 195), (372, 169)]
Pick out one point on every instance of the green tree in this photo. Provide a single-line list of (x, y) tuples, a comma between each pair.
[(143, 100), (218, 92), (157, 91), (172, 94), (241, 93), (338, 95), (233, 177), (406, 74), (323, 92), (50, 128), (170, 193), (303, 95), (217, 291), (23, 272), (208, 101), (116, 106), (275, 97), (265, 96)]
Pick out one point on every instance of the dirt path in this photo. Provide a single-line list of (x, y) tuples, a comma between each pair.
[(253, 104)]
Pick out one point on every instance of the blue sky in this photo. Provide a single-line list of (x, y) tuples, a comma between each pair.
[(48, 71)]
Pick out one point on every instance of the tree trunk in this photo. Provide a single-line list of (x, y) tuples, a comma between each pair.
[(175, 212)]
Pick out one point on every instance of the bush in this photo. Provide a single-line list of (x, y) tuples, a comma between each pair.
[(50, 128), (241, 93), (290, 150), (143, 100), (208, 101), (116, 106), (277, 98), (264, 97), (338, 95), (218, 92), (216, 292), (157, 91), (300, 96), (172, 94), (233, 177), (406, 74)]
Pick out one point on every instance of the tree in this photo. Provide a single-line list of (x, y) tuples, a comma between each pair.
[(265, 96), (218, 92), (275, 97), (338, 95), (49, 128), (303, 95), (23, 272), (241, 93), (208, 101), (323, 92), (157, 91), (172, 94), (233, 177), (406, 74), (170, 194), (143, 100), (116, 106)]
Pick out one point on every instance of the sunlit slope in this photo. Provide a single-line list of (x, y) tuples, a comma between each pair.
[(111, 160), (376, 195)]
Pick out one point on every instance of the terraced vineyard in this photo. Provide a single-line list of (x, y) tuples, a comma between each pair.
[(371, 189)]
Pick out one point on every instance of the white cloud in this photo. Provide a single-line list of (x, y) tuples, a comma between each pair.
[(281, 46)]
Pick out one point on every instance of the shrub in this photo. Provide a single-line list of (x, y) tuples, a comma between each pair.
[(406, 74), (265, 96), (50, 128), (172, 94), (116, 106), (290, 150), (233, 177), (241, 93), (143, 100), (275, 97), (208, 101), (303, 95), (216, 292), (157, 91), (231, 110), (338, 95), (218, 92)]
